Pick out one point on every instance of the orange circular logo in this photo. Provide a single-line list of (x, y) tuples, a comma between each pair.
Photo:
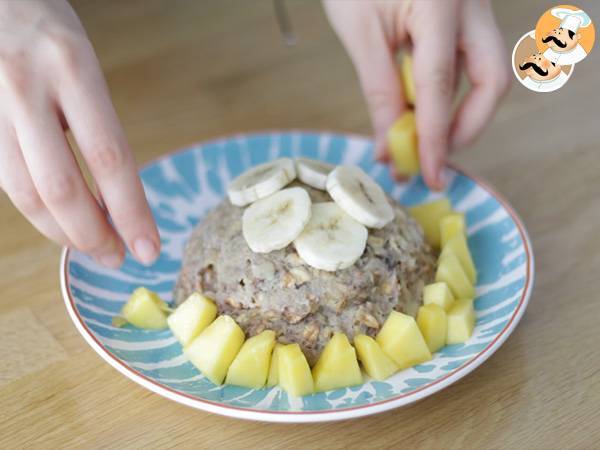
[(544, 59), (565, 34)]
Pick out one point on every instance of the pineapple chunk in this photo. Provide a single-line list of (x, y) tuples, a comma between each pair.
[(294, 372), (376, 363), (403, 146), (458, 246), (337, 366), (273, 378), (192, 317), (438, 294), (145, 309), (451, 272), (215, 348), (461, 321), (452, 225), (428, 215), (402, 341), (251, 365), (408, 81), (433, 324)]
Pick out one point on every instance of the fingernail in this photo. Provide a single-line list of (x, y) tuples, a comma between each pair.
[(111, 260), (145, 250)]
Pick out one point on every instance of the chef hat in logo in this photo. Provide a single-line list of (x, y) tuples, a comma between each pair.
[(570, 19), (571, 23)]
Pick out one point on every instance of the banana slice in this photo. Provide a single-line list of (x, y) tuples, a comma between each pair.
[(331, 240), (313, 172), (275, 221), (261, 181), (359, 196)]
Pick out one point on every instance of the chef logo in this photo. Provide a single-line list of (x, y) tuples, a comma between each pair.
[(534, 70), (544, 59)]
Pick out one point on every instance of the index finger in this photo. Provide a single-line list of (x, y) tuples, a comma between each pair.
[(90, 114), (434, 55), (374, 61)]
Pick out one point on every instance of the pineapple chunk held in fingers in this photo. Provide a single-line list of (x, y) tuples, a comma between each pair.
[(408, 80), (403, 144)]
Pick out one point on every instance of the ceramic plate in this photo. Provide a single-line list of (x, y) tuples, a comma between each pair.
[(182, 187)]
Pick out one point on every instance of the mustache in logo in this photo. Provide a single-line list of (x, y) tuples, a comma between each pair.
[(541, 72), (555, 40)]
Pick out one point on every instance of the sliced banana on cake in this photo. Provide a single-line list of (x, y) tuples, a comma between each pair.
[(261, 181), (331, 240), (274, 222), (359, 196), (313, 172)]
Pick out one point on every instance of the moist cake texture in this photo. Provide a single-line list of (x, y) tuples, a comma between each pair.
[(278, 291)]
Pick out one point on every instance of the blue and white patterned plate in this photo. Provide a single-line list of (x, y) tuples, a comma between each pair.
[(182, 187)]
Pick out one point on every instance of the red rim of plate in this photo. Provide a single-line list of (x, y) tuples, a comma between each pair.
[(308, 416)]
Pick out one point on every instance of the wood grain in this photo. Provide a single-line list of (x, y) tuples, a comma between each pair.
[(27, 346), (182, 71)]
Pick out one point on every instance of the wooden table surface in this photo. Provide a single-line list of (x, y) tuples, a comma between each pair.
[(182, 71)]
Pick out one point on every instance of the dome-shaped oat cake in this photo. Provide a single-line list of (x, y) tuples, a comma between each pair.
[(278, 291)]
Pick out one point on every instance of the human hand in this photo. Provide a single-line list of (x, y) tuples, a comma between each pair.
[(444, 35), (50, 80)]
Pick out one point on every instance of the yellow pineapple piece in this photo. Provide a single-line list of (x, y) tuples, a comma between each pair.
[(452, 225), (251, 365), (337, 366), (428, 215), (213, 351), (145, 309), (451, 272), (403, 144), (401, 339), (461, 321), (433, 325), (294, 372), (192, 317), (439, 294), (458, 246), (408, 81), (273, 378), (375, 362)]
